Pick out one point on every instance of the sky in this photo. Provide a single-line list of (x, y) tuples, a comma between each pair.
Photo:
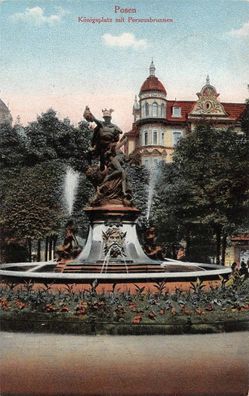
[(51, 58)]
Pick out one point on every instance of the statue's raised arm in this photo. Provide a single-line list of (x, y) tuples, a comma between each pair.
[(90, 117)]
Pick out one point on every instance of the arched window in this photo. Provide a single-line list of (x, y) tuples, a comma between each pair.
[(155, 137), (154, 109), (145, 138), (147, 109)]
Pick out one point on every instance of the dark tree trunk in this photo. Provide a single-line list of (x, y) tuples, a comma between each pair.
[(50, 248), (223, 249), (30, 249), (54, 243), (188, 245), (218, 244), (46, 249), (39, 250)]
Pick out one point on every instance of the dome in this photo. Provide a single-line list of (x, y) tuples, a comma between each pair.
[(5, 116), (152, 83)]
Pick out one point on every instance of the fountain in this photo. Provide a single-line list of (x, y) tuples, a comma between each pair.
[(112, 253), (70, 188)]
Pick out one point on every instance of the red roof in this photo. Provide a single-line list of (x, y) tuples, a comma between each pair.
[(152, 84), (234, 113), (234, 110), (186, 108)]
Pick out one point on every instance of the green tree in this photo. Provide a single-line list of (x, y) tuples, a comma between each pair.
[(32, 206), (207, 184), (50, 138), (138, 181), (12, 147), (245, 119), (34, 164)]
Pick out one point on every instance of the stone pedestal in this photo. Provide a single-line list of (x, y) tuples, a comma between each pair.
[(112, 244)]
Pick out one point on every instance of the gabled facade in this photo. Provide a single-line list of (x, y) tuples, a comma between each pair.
[(159, 123)]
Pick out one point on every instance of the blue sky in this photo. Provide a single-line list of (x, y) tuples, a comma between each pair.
[(49, 59)]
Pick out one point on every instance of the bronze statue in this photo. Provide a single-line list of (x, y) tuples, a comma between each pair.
[(109, 178), (151, 247), (70, 247), (105, 136)]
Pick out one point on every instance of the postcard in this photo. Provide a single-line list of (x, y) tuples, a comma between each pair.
[(124, 250)]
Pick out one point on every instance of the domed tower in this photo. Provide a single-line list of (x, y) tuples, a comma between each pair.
[(150, 117), (152, 96), (5, 115)]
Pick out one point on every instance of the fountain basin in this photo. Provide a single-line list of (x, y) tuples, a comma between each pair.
[(171, 271)]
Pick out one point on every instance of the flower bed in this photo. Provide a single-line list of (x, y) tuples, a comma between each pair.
[(67, 309)]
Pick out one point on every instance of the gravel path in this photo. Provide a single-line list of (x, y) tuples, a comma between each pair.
[(193, 365)]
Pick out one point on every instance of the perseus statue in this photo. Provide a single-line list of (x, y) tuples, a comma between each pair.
[(105, 146), (105, 136)]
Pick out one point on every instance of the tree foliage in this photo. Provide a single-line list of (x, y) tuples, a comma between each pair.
[(207, 184), (80, 219), (33, 167), (50, 138), (138, 180), (245, 119), (32, 205), (12, 147)]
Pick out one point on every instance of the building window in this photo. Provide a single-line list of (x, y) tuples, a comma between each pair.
[(154, 109), (162, 110), (143, 110), (146, 163), (147, 109), (155, 162), (145, 138), (162, 139), (176, 137), (155, 137), (141, 138), (176, 111), (151, 162)]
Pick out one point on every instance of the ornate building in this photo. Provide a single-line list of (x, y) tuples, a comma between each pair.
[(5, 115), (159, 122)]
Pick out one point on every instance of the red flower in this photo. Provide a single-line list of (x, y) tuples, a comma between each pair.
[(137, 319)]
